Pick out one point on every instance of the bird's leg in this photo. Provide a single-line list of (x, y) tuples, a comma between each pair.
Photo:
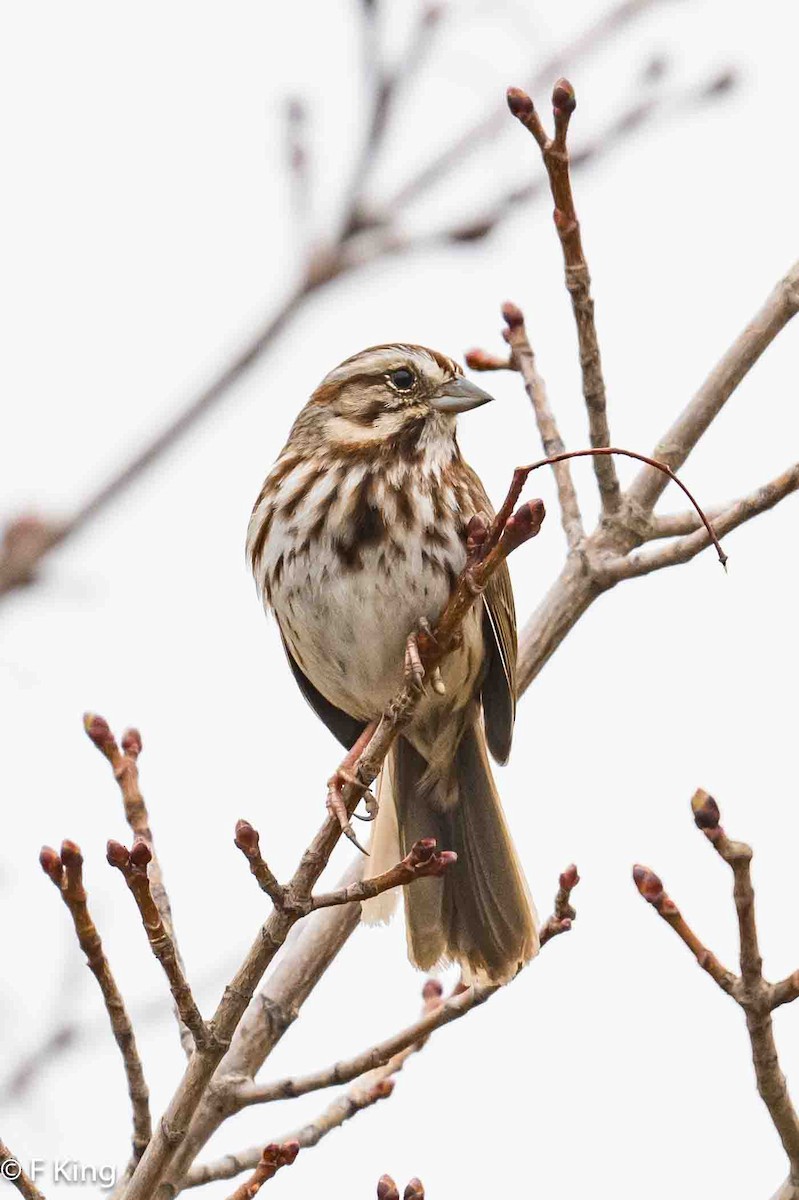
[(344, 774), (414, 669)]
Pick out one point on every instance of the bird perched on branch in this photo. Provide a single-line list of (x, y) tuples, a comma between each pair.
[(358, 534)]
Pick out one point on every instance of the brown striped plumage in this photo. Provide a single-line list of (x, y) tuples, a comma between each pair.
[(357, 534)]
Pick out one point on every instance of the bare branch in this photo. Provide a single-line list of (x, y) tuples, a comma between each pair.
[(693, 422), (340, 1110), (66, 872), (436, 1016), (685, 548), (125, 765), (578, 280), (376, 1083), (524, 360), (374, 1069), (421, 862), (651, 888), (755, 995), (508, 531), (133, 866), (25, 542), (581, 582), (11, 1169)]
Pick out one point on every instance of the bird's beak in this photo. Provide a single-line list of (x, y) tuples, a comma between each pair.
[(459, 395)]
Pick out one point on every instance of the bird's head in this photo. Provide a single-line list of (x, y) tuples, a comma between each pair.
[(390, 392)]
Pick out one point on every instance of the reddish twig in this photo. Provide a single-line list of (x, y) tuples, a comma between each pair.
[(133, 865), (564, 913), (578, 280), (651, 462), (66, 872), (273, 1157), (124, 763)]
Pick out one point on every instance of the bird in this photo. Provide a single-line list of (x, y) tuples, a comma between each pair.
[(356, 539)]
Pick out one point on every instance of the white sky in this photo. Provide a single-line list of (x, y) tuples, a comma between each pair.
[(144, 232)]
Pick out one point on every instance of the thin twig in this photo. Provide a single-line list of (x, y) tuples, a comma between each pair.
[(374, 1069), (524, 359), (11, 1170), (421, 862), (133, 865), (371, 1085), (369, 1060), (125, 765), (66, 872), (435, 1015), (578, 280), (683, 549), (607, 451)]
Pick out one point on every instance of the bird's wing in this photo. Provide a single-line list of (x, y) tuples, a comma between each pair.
[(344, 727), (499, 628)]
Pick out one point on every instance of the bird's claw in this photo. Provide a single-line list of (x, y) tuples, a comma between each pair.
[(414, 670), (372, 807), (338, 809)]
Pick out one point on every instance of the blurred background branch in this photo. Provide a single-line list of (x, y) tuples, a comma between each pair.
[(363, 234)]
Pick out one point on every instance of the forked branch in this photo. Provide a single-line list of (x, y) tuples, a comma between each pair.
[(133, 866), (65, 870), (124, 762), (490, 547), (750, 990), (422, 861)]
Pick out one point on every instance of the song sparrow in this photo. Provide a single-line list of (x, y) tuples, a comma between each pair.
[(358, 533)]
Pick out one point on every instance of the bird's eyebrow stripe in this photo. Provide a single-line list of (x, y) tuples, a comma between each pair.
[(376, 360)]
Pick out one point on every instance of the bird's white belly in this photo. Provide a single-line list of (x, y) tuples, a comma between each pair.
[(348, 626)]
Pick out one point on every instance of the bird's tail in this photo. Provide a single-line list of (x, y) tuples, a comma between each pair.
[(479, 913)]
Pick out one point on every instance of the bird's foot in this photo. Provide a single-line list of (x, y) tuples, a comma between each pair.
[(338, 809), (414, 669), (345, 774)]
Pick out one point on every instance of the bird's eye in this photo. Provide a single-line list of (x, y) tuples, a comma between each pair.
[(403, 379)]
